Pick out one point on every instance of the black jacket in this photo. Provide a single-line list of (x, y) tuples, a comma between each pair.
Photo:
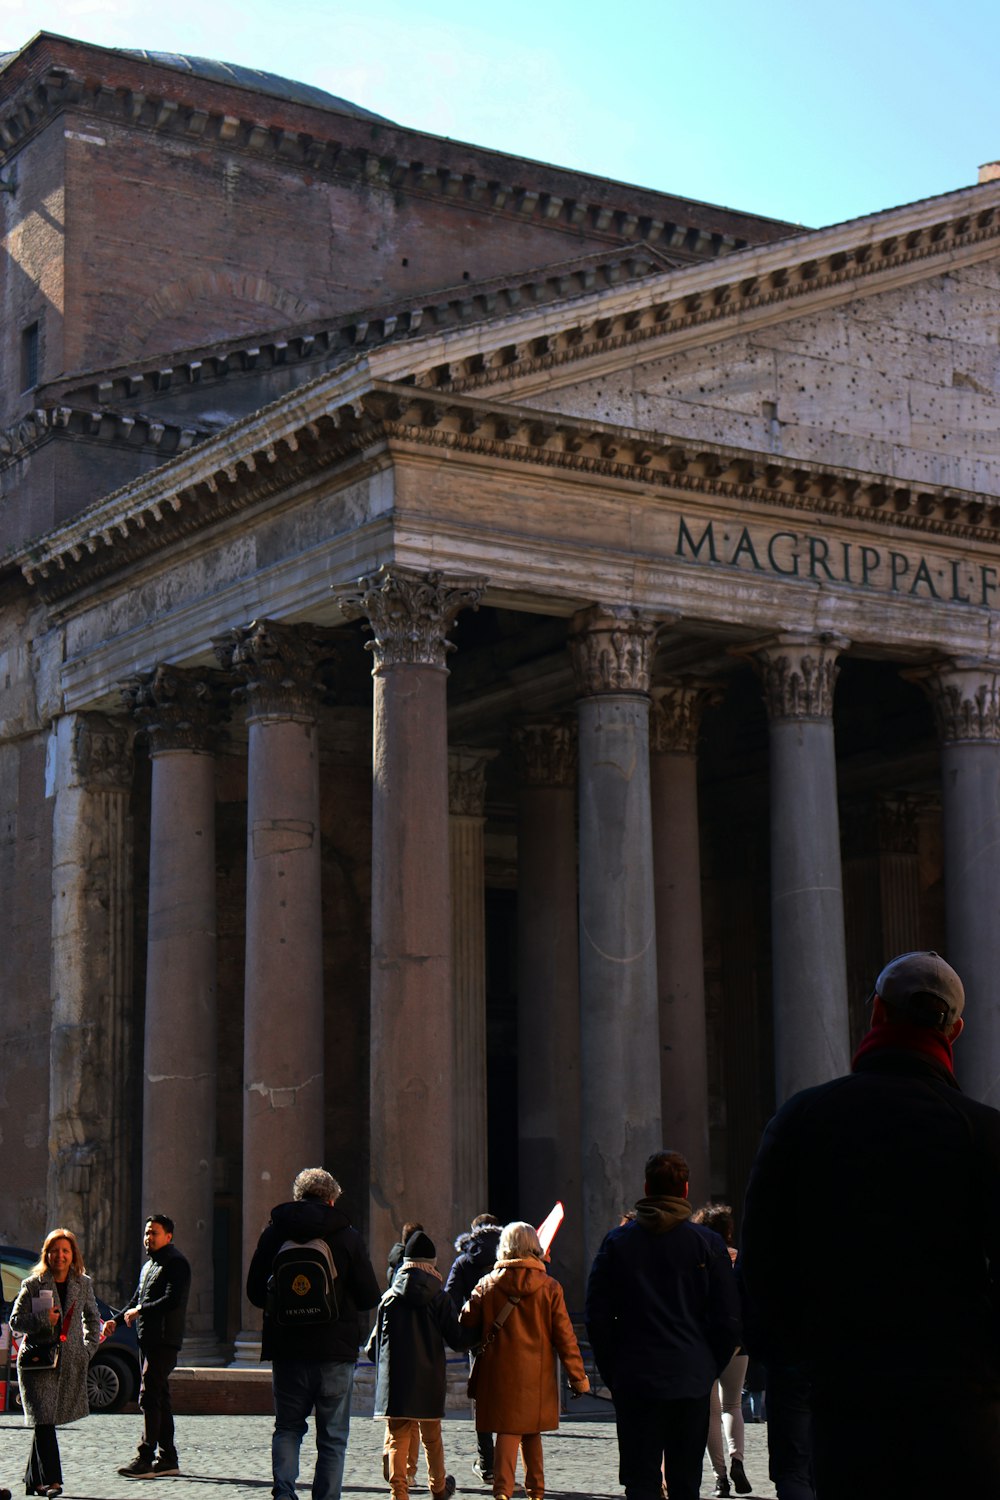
[(162, 1298), (478, 1255), (662, 1309), (357, 1285), (871, 1238), (416, 1318)]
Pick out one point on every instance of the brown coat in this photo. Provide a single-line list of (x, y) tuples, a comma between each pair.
[(517, 1384)]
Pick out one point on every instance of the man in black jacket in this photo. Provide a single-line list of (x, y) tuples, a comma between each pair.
[(871, 1255), (312, 1368), (157, 1310), (663, 1319), (477, 1254)]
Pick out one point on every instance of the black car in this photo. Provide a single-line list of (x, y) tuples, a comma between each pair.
[(114, 1367)]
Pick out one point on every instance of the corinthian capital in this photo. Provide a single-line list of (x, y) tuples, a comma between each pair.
[(467, 780), (277, 665), (965, 697), (612, 649), (799, 674), (675, 722), (409, 614), (177, 709), (546, 753)]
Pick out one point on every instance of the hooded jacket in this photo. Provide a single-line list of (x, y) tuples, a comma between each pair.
[(662, 1308), (416, 1318), (357, 1284), (517, 1390), (477, 1255)]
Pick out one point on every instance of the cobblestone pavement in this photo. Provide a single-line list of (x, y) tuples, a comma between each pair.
[(228, 1458)]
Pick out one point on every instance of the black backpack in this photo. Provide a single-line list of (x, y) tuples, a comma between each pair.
[(302, 1286)]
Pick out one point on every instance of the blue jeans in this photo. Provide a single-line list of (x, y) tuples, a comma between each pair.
[(300, 1388)]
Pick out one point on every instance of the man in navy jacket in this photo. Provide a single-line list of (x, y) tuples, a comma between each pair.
[(663, 1319)]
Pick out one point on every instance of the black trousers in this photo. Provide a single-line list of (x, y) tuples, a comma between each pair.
[(44, 1466), (651, 1432), (868, 1445), (154, 1401)]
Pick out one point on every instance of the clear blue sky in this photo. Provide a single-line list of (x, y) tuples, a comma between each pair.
[(804, 112)]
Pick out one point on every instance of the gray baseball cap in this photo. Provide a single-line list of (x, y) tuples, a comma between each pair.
[(922, 988)]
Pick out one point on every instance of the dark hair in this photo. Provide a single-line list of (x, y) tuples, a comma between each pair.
[(161, 1219), (717, 1216), (667, 1174), (407, 1230), (481, 1219)]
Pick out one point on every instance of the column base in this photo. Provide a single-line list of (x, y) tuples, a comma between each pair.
[(246, 1350), (203, 1351)]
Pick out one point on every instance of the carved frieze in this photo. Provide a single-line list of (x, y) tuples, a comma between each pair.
[(545, 753), (675, 721), (612, 647), (799, 674), (467, 780), (409, 614), (277, 665), (102, 753), (965, 697), (178, 709)]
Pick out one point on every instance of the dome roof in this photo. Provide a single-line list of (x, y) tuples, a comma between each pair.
[(247, 78)]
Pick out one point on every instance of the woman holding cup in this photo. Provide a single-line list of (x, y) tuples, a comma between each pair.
[(55, 1313)]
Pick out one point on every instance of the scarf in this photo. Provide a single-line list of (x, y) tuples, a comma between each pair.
[(897, 1036)]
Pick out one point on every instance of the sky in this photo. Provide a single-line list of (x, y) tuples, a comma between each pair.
[(812, 114)]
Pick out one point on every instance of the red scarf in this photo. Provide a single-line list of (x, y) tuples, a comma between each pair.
[(900, 1037)]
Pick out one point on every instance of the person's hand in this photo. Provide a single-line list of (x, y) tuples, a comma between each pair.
[(107, 1329), (54, 1316), (131, 1314)]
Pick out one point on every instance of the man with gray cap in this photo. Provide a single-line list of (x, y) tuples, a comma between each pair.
[(871, 1256)]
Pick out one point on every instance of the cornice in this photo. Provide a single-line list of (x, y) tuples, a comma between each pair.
[(778, 280), (126, 429), (280, 448), (342, 146)]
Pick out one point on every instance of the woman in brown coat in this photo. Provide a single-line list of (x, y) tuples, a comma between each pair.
[(516, 1393)]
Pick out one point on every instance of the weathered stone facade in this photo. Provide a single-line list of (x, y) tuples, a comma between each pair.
[(482, 690)]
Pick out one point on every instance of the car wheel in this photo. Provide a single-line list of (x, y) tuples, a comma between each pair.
[(108, 1383)]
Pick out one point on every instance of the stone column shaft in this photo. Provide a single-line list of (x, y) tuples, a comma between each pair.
[(548, 992), (178, 712), (91, 1130), (807, 913), (412, 1002), (966, 700), (619, 1032), (680, 963), (468, 952), (283, 998)]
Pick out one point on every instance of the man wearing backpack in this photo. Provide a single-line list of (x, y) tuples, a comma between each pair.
[(312, 1276)]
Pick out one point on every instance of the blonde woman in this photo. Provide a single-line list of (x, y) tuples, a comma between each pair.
[(54, 1397), (520, 1314)]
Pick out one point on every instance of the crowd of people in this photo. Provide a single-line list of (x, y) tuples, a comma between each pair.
[(871, 1246)]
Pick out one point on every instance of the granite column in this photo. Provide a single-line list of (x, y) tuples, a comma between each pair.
[(548, 990), (180, 713), (283, 998), (619, 1019), (412, 1003), (811, 1032), (966, 699)]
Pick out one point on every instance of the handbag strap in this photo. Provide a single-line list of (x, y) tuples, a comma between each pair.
[(500, 1320)]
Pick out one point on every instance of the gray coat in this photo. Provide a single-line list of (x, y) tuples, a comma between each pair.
[(58, 1396)]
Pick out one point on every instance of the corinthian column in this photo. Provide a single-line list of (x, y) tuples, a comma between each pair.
[(180, 713), (619, 1027), (680, 965), (548, 990), (412, 1003), (466, 794), (811, 1034), (283, 999), (91, 1132), (966, 699)]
